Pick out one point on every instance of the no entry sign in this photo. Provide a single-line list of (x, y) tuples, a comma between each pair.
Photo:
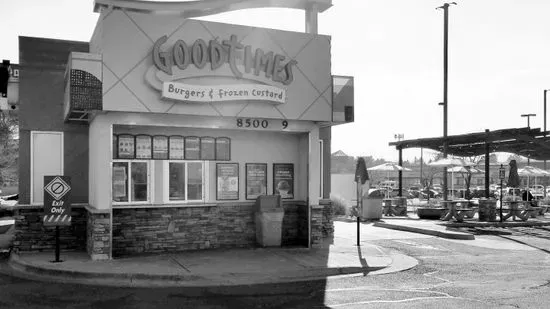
[(57, 202)]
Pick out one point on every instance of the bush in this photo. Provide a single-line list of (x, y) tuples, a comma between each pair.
[(340, 206)]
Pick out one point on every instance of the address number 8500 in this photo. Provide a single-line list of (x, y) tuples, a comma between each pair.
[(257, 123)]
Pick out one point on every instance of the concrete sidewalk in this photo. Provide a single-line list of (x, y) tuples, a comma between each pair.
[(216, 268)]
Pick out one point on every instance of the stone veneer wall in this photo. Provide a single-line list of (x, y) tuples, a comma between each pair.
[(165, 229), (31, 235), (98, 238), (328, 224), (316, 226)]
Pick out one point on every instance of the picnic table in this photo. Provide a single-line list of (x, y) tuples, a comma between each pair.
[(519, 209), (457, 209), (393, 207)]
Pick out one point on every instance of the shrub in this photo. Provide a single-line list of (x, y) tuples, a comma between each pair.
[(340, 206)]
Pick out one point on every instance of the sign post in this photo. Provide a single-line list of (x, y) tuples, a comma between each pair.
[(57, 205), (501, 175)]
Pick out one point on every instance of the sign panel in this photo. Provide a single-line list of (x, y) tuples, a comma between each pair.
[(256, 180), (176, 148), (57, 202), (283, 180), (192, 148), (218, 93), (143, 147), (208, 148), (223, 149), (160, 147), (126, 147), (227, 175)]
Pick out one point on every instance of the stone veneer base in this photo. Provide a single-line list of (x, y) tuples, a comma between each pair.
[(166, 229)]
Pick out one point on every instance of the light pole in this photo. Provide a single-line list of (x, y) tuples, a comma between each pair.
[(544, 116), (528, 118), (529, 127), (445, 8)]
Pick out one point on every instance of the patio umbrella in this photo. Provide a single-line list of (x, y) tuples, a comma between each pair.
[(464, 170), (388, 167), (450, 162), (513, 176), (532, 171)]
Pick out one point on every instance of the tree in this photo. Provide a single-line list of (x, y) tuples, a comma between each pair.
[(9, 148)]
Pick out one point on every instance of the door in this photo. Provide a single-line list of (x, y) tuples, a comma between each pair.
[(46, 160)]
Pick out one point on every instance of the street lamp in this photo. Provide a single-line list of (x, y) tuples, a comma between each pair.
[(528, 117), (445, 8)]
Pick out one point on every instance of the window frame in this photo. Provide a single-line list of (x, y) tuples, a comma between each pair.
[(150, 186), (166, 181)]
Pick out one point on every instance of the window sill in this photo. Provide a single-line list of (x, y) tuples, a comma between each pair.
[(171, 205)]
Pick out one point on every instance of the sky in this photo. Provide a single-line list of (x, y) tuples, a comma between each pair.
[(499, 61)]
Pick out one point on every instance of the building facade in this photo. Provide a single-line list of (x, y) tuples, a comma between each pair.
[(171, 127)]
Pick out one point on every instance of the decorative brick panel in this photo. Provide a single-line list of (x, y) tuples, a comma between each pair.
[(328, 224), (166, 229), (31, 235), (316, 226), (98, 236)]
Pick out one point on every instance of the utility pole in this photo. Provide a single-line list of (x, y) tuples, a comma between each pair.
[(445, 8)]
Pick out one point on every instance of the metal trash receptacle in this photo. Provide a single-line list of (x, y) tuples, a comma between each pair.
[(269, 220)]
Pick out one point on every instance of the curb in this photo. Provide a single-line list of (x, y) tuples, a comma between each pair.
[(228, 283), (496, 224), (442, 234)]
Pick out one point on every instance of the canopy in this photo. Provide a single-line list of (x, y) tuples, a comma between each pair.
[(388, 167)]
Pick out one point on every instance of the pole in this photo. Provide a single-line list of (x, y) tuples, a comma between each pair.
[(501, 199), (421, 163), (57, 260), (545, 182), (359, 210), (445, 8)]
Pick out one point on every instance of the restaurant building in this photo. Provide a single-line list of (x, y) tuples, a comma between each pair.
[(171, 127)]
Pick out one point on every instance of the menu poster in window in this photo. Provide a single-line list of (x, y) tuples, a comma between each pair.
[(160, 147), (208, 148), (223, 149), (256, 180), (283, 180), (126, 149), (192, 148), (143, 147), (227, 175), (119, 181), (176, 148)]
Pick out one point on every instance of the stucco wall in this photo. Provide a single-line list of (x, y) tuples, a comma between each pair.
[(41, 91)]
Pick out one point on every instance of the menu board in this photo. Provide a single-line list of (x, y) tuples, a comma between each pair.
[(223, 149), (160, 147), (227, 175), (143, 147), (119, 182), (283, 180), (192, 148), (126, 147), (176, 148), (256, 180), (208, 148)]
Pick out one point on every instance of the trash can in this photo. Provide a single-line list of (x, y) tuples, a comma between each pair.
[(269, 220), (487, 210), (372, 206)]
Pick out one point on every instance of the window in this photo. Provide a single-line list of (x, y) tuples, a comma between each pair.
[(130, 181), (185, 181)]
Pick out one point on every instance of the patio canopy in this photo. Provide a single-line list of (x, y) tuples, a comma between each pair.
[(527, 142)]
